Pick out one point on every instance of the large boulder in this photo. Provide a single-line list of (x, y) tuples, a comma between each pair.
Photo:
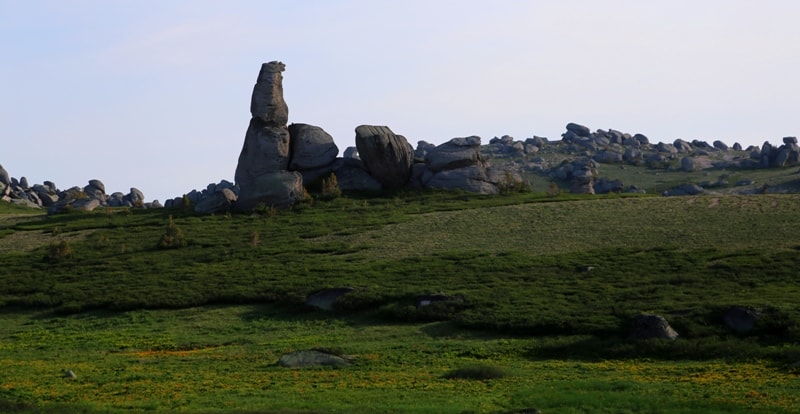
[(265, 150), (387, 157), (472, 179), (608, 157), (96, 189), (651, 327), (135, 197), (311, 147), (274, 189), (454, 154), (579, 129), (682, 146), (4, 178), (267, 102), (353, 176), (216, 202)]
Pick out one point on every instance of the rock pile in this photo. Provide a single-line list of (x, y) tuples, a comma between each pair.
[(87, 198)]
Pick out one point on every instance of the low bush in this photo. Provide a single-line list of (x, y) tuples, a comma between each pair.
[(476, 372)]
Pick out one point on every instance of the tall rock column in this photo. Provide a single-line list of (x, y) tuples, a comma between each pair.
[(262, 172)]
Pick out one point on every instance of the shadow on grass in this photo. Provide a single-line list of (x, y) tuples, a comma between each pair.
[(780, 353)]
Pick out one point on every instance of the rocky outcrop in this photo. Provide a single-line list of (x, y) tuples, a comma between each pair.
[(459, 165), (386, 156), (57, 201), (272, 189), (262, 172)]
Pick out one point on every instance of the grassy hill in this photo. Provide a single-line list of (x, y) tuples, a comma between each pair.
[(163, 310)]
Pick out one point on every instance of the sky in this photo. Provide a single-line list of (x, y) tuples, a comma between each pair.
[(155, 94)]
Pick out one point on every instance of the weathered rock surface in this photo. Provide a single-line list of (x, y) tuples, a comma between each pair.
[(275, 189), (311, 358), (353, 176), (651, 327), (740, 319), (265, 150), (473, 179), (386, 156), (4, 178), (311, 147), (454, 154), (218, 202), (267, 103)]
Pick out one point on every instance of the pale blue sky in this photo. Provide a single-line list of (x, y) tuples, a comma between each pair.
[(156, 94)]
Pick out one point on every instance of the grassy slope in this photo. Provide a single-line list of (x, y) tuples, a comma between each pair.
[(516, 259)]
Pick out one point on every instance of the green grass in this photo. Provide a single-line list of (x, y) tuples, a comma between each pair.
[(549, 288)]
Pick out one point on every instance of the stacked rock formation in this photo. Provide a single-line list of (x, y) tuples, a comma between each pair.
[(458, 164), (262, 172), (276, 158)]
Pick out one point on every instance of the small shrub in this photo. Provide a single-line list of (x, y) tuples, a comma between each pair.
[(476, 372), (553, 190), (59, 251), (330, 188), (173, 237)]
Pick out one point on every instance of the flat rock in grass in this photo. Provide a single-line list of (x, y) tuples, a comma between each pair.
[(740, 319), (652, 327), (325, 298), (427, 300), (311, 358)]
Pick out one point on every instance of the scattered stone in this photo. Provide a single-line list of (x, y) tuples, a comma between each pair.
[(311, 358), (684, 190), (740, 319), (651, 327), (325, 298), (427, 300)]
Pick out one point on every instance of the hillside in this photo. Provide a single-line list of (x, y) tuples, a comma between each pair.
[(503, 281)]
